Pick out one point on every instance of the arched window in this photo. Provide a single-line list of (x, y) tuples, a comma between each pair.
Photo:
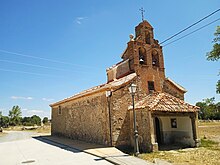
[(142, 54), (155, 58), (147, 37)]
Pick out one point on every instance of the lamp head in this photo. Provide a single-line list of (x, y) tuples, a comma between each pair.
[(132, 88), (108, 93)]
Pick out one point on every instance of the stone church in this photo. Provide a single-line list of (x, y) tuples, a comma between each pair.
[(162, 116)]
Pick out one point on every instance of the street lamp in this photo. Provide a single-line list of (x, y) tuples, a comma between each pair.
[(108, 96), (132, 90)]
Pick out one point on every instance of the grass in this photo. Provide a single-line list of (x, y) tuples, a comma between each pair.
[(208, 143), (207, 154)]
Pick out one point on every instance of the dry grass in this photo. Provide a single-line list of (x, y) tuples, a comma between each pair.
[(2, 134), (210, 130), (207, 154), (46, 129)]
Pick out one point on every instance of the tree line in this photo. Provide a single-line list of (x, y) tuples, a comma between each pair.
[(15, 118), (209, 110)]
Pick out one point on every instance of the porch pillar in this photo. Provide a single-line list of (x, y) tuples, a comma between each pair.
[(194, 120)]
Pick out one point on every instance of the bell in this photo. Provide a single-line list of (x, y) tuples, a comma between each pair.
[(141, 61)]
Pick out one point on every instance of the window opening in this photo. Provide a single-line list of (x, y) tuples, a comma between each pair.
[(147, 37), (142, 53), (155, 58), (151, 86), (59, 110), (173, 123)]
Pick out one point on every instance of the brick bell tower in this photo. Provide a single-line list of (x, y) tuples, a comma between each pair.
[(145, 57)]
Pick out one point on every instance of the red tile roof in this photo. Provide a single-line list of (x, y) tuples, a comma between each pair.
[(164, 102), (104, 87)]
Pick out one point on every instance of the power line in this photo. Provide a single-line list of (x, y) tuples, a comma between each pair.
[(40, 66), (191, 32), (41, 58), (32, 73), (190, 26)]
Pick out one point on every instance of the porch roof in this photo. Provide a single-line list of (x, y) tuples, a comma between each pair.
[(164, 102)]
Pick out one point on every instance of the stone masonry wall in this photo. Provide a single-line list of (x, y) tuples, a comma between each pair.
[(120, 101), (172, 90), (143, 127), (83, 119)]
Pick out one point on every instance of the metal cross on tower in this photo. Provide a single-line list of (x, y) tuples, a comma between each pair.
[(142, 13)]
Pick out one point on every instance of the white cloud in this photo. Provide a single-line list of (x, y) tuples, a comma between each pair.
[(79, 20), (47, 99), (35, 111), (21, 97)]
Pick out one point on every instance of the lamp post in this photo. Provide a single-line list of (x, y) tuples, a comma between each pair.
[(132, 90), (108, 96)]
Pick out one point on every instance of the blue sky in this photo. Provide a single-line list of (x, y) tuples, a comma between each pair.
[(52, 49)]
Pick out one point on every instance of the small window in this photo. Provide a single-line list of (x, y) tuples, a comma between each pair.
[(173, 123), (59, 110), (151, 86)]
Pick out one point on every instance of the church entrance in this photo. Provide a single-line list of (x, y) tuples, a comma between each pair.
[(158, 130)]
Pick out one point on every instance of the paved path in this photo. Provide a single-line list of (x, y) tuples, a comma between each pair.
[(16, 135), (47, 150), (35, 152), (18, 148)]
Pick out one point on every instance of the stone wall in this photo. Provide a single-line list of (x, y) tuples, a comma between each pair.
[(120, 101), (172, 90), (84, 119), (143, 127)]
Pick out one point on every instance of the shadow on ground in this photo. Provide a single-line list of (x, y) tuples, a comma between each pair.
[(45, 139), (76, 146)]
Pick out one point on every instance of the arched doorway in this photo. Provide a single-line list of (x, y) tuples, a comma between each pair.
[(158, 130)]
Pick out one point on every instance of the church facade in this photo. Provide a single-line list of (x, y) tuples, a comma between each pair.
[(162, 116)]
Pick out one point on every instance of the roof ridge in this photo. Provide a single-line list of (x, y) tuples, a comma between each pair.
[(114, 84)]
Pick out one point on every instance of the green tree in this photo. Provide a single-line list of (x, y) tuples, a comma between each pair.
[(4, 121), (214, 54), (208, 109), (15, 115), (26, 121), (45, 120), (202, 112), (36, 120)]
